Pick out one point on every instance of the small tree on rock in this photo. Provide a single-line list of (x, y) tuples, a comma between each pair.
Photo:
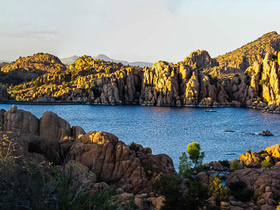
[(195, 155)]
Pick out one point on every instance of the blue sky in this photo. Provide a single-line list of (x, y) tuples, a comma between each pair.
[(133, 30)]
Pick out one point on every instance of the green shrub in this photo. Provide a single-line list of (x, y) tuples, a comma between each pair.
[(134, 146), (168, 185), (185, 164), (265, 163), (237, 185), (240, 191), (235, 165), (196, 196), (225, 163), (95, 91)]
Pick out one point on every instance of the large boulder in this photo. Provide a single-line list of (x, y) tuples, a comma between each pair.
[(113, 161), (21, 121), (54, 127), (251, 159)]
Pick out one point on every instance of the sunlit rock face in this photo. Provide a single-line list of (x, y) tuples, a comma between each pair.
[(183, 83), (31, 67), (198, 80)]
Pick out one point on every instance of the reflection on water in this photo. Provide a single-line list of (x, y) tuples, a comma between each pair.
[(169, 130)]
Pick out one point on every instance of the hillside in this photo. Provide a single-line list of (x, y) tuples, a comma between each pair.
[(30, 67), (198, 80), (245, 56)]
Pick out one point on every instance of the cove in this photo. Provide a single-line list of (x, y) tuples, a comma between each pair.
[(169, 130)]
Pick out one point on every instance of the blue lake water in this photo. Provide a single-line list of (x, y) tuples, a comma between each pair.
[(170, 129)]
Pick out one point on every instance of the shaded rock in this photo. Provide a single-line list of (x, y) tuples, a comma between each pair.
[(21, 121), (54, 127)]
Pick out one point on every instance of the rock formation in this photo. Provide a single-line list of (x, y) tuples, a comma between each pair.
[(264, 182), (254, 159), (199, 80)]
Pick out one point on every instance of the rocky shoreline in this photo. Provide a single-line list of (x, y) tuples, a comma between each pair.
[(101, 160)]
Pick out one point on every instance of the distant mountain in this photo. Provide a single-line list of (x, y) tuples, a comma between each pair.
[(4, 61), (69, 60), (72, 59)]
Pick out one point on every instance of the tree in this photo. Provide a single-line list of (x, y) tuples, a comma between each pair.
[(168, 185), (196, 158), (196, 196), (195, 155), (185, 165)]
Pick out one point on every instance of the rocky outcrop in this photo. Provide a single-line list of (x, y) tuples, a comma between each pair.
[(21, 121), (254, 159), (265, 183), (112, 160), (183, 83), (99, 156)]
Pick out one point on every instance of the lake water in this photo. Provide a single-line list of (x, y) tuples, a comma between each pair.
[(170, 129)]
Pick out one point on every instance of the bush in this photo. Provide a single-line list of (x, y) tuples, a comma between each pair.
[(18, 98), (185, 164), (107, 199), (196, 196), (265, 163), (235, 165), (168, 185), (134, 146), (237, 185), (95, 90), (225, 163), (240, 191), (28, 185)]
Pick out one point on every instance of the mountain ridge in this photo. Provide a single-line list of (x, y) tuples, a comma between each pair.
[(72, 59)]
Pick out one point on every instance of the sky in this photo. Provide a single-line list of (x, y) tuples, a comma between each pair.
[(132, 30)]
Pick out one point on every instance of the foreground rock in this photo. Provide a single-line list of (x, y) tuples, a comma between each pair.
[(264, 182), (99, 156)]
